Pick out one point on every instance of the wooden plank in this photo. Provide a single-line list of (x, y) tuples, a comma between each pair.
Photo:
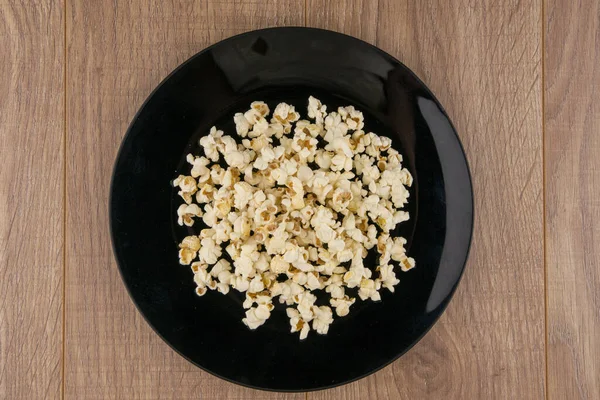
[(483, 61), (31, 202), (354, 17), (572, 143), (118, 51)]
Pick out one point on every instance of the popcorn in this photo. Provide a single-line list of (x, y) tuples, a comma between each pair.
[(222, 207), (243, 265), (314, 130), (304, 145), (285, 114), (297, 323), (352, 278), (262, 264), (407, 263), (300, 278), (242, 126), (316, 110), (341, 199), (223, 288), (292, 253), (305, 302), (368, 290), (342, 146), (279, 265), (296, 192), (209, 217), (209, 144), (235, 159), (198, 165), (188, 249), (342, 305), (265, 214), (261, 107), (324, 233), (206, 194), (312, 281), (276, 244), (323, 317), (398, 253), (242, 226), (352, 117), (188, 187), (203, 278), (241, 284), (243, 193), (385, 219), (253, 116), (341, 162), (227, 144), (335, 290), (223, 231), (290, 216), (185, 214), (221, 266), (387, 277), (209, 251), (304, 173), (334, 126), (323, 158), (257, 316), (256, 285), (336, 246), (197, 266)]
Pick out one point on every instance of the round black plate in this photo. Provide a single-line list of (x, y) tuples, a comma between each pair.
[(274, 65)]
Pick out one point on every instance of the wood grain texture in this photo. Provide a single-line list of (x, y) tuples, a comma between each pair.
[(118, 51), (31, 198), (483, 61), (572, 145)]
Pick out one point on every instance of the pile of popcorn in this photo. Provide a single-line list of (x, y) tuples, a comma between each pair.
[(297, 205)]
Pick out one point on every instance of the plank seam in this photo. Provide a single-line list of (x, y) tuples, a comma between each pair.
[(64, 294), (544, 222)]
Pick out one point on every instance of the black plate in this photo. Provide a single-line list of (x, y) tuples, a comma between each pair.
[(272, 65)]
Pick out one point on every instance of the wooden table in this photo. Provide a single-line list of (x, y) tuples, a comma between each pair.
[(520, 80)]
